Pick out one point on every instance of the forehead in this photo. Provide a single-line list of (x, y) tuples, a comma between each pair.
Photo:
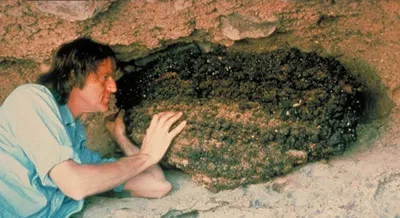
[(106, 66)]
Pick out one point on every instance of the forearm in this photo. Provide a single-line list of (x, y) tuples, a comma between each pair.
[(126, 145), (130, 149), (79, 181)]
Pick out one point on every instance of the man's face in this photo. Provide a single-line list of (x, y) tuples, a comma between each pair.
[(98, 87)]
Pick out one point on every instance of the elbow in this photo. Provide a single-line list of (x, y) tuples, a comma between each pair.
[(157, 191), (74, 193), (68, 180), (75, 188), (164, 190), (77, 196)]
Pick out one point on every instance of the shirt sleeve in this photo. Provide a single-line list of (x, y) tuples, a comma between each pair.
[(36, 124)]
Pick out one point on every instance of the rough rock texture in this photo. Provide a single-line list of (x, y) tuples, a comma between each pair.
[(251, 116), (14, 72), (128, 25), (236, 27), (73, 10)]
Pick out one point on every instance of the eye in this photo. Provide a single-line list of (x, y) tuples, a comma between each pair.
[(105, 76), (117, 75)]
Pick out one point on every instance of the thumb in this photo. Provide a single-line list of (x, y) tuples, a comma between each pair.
[(119, 115)]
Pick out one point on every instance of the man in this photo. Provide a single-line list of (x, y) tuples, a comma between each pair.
[(45, 168)]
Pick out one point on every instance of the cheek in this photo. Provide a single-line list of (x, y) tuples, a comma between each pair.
[(93, 93), (98, 89)]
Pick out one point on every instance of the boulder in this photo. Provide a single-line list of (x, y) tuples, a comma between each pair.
[(250, 116)]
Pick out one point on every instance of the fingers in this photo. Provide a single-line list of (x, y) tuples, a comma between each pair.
[(154, 122), (164, 119), (172, 119), (165, 116), (177, 130), (158, 137)]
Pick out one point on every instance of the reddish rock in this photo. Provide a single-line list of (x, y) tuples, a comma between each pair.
[(73, 10)]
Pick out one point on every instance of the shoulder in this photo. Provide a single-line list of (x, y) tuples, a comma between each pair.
[(29, 96), (31, 89)]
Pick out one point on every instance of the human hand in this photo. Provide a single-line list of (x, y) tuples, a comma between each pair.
[(158, 137), (115, 125)]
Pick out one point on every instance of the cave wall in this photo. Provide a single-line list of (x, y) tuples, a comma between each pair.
[(363, 35)]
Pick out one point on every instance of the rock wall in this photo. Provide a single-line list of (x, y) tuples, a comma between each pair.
[(363, 35)]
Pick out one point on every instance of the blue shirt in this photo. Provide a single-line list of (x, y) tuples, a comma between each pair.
[(36, 134)]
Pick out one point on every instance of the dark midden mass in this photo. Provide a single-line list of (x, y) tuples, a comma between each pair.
[(250, 116)]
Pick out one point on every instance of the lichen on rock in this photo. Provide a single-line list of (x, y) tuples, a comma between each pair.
[(251, 117)]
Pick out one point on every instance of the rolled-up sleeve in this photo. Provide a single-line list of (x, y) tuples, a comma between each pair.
[(36, 124)]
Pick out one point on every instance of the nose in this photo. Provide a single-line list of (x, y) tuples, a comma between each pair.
[(111, 85)]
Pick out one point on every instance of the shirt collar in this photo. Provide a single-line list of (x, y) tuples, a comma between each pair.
[(66, 115), (68, 120)]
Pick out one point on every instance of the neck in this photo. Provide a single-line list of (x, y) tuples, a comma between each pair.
[(74, 103)]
